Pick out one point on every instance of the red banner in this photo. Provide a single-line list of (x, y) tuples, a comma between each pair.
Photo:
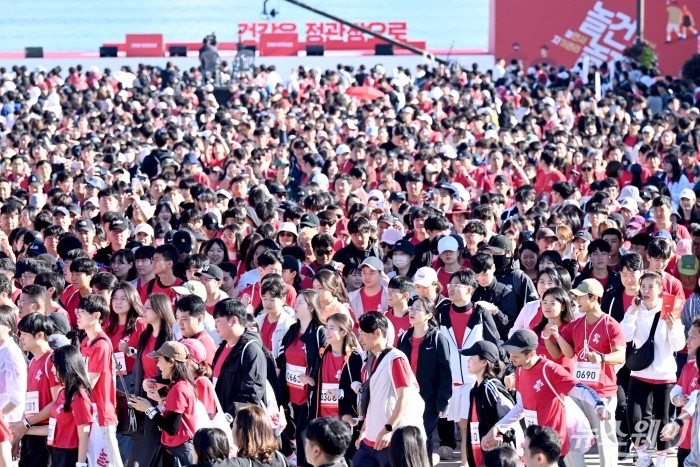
[(321, 32), (144, 45), (541, 31), (279, 45)]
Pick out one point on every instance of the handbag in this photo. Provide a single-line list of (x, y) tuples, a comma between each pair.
[(126, 415), (641, 358)]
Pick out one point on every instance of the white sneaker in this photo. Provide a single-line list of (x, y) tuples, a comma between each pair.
[(644, 461), (435, 458), (660, 461), (446, 453)]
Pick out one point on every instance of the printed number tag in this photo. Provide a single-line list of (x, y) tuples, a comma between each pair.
[(31, 404), (587, 372), (326, 398), (530, 417), (474, 430), (294, 373), (121, 362)]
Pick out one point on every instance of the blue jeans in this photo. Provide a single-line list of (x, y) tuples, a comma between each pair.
[(370, 457)]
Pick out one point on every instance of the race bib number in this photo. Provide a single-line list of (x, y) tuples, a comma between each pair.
[(530, 417), (587, 372), (294, 373), (31, 404), (326, 398), (121, 362), (474, 430), (52, 430)]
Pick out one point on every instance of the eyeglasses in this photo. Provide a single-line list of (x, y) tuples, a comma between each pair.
[(587, 169), (286, 234)]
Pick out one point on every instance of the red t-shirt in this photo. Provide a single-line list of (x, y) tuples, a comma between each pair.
[(65, 434), (331, 369), (537, 396), (682, 232), (401, 325), (206, 394), (216, 372), (5, 433), (445, 276), (72, 306), (266, 332), (253, 291), (40, 380), (67, 292), (295, 354), (370, 303), (545, 182), (672, 286), (149, 365), (180, 399), (601, 336), (476, 447), (159, 287), (543, 352), (688, 382), (132, 340), (460, 321), (415, 347), (98, 359), (537, 319), (627, 302)]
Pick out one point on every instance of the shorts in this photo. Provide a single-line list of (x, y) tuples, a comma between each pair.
[(458, 408)]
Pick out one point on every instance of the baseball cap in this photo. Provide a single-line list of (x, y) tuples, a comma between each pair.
[(425, 277), (182, 241), (636, 222), (630, 191), (280, 163), (190, 158), (500, 245), (663, 234), (118, 223), (191, 288), (211, 271), (225, 193), (373, 262), (145, 228), (290, 263), (85, 225), (483, 349), (172, 350), (342, 149), (391, 236), (288, 227), (309, 220), (405, 246), (196, 350), (35, 179), (688, 265), (522, 340), (36, 248), (545, 233), (648, 129), (61, 210), (583, 234), (96, 182), (447, 243), (210, 221), (93, 200), (649, 192), (276, 189), (687, 193), (59, 322), (630, 204), (589, 286), (397, 196)]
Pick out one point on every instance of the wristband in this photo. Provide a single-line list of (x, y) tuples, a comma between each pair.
[(151, 412), (679, 422), (81, 464), (27, 425), (132, 351)]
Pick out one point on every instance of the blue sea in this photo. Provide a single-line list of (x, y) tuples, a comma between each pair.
[(83, 25)]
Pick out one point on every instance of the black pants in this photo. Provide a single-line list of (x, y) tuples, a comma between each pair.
[(144, 444), (34, 451), (301, 419), (682, 454), (623, 382), (446, 433), (63, 457), (645, 415), (430, 421)]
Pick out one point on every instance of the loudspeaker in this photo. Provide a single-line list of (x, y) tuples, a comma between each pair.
[(383, 49), (314, 50), (178, 51), (34, 52), (109, 52)]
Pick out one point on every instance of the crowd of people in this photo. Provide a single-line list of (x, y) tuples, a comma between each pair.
[(504, 263)]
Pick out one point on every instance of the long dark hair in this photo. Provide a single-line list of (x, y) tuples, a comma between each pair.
[(181, 372), (428, 306), (210, 444), (70, 371), (408, 448), (162, 306), (220, 243), (350, 342), (676, 166), (132, 316), (567, 312), (9, 318), (314, 304)]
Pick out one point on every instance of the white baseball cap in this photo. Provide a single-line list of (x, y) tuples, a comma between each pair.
[(448, 243), (425, 276), (687, 193), (391, 236)]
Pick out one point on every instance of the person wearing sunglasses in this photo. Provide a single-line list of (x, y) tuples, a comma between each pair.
[(322, 245)]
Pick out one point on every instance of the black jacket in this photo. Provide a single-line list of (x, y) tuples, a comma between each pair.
[(352, 371), (433, 372), (490, 397), (314, 339), (243, 374), (614, 282), (612, 303), (504, 299), (520, 283), (350, 254), (424, 254)]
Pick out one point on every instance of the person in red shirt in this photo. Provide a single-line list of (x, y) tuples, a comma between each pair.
[(662, 208), (96, 348), (189, 313), (42, 388), (372, 296), (124, 325), (82, 271), (68, 430), (164, 260), (547, 177), (274, 321), (398, 294), (541, 385), (597, 344), (201, 372), (174, 414)]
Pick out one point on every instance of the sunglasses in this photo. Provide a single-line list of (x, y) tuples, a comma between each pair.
[(327, 224), (587, 169), (323, 252)]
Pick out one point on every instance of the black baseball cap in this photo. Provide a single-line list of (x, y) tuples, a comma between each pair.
[(212, 271), (276, 189), (36, 249), (405, 246), (583, 234), (161, 229), (85, 225), (118, 223), (309, 220), (182, 241), (500, 245), (484, 349), (397, 196), (210, 221), (522, 340)]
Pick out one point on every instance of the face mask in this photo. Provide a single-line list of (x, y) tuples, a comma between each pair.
[(401, 261), (501, 261)]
